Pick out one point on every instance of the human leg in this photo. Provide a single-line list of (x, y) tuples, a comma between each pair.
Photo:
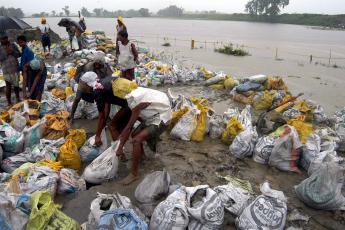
[(8, 92), (16, 92)]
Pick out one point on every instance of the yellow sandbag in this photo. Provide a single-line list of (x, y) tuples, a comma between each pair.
[(56, 125), (207, 74), (275, 83), (68, 91), (264, 102), (304, 129), (59, 93), (229, 83), (233, 128), (69, 155), (218, 86), (122, 87), (54, 165), (199, 132), (71, 73), (302, 106), (176, 116), (78, 136)]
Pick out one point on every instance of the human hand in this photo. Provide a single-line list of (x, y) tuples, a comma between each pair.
[(98, 141)]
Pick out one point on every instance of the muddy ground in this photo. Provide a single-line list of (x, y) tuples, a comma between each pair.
[(193, 164)]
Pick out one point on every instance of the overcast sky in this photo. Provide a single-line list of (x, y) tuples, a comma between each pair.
[(229, 6)]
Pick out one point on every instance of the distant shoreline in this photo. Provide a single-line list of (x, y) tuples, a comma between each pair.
[(315, 21)]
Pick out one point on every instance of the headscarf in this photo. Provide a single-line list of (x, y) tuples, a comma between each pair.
[(120, 18), (91, 79), (43, 20), (122, 87), (35, 64)]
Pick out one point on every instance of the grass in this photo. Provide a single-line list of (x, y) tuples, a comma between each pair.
[(166, 44), (230, 50)]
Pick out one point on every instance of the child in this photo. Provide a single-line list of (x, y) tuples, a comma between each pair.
[(127, 56)]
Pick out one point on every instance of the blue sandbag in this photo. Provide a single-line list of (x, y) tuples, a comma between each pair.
[(247, 86)]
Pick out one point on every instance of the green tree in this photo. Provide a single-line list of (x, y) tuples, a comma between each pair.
[(66, 10), (171, 11), (144, 12), (98, 12), (266, 7), (53, 13), (11, 12), (85, 12)]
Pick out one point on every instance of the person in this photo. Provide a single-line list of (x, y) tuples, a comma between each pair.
[(126, 55), (82, 23), (102, 70), (104, 98), (9, 55), (45, 36), (34, 77), (120, 27), (27, 54), (71, 33), (152, 109)]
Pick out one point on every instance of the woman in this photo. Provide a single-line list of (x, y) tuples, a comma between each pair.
[(34, 77)]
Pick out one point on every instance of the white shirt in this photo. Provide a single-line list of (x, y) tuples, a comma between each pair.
[(126, 57), (44, 28), (158, 111)]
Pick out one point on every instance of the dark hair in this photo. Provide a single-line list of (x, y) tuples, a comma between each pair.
[(123, 33), (21, 38)]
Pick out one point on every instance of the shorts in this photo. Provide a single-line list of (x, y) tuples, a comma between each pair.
[(12, 78), (155, 131), (45, 39)]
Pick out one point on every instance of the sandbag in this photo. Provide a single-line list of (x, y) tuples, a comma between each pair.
[(47, 150), (185, 126), (260, 78), (303, 129), (45, 214), (205, 208), (59, 93), (89, 152), (322, 190), (233, 128), (322, 158), (200, 130), (247, 86), (13, 141), (114, 219), (152, 190), (171, 214), (214, 80), (18, 122), (77, 135), (263, 149), (42, 178), (216, 126), (70, 182), (311, 150), (56, 125), (12, 163), (69, 103), (104, 167), (69, 155), (263, 101), (11, 218), (33, 135), (89, 110), (243, 144), (51, 104), (267, 211), (285, 152)]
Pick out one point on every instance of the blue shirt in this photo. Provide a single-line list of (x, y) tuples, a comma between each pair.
[(27, 56)]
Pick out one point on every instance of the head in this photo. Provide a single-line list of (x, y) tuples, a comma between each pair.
[(122, 87), (21, 40), (35, 64), (43, 20), (123, 36), (98, 63), (82, 18), (120, 21), (3, 38)]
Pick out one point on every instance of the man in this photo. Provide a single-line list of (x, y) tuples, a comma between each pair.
[(152, 109), (9, 55), (126, 55), (45, 36), (102, 71), (34, 77), (27, 54), (71, 30)]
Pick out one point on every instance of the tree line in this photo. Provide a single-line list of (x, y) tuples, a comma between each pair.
[(11, 12)]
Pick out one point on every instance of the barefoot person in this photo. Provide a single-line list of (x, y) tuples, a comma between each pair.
[(152, 109), (27, 54), (34, 77), (9, 55), (45, 35), (127, 56)]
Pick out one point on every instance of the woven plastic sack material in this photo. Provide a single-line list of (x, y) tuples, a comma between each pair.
[(322, 158), (244, 143), (69, 103), (77, 135), (51, 104), (68, 91), (42, 178), (275, 83), (69, 155), (114, 219), (18, 122), (89, 151), (47, 150), (59, 93), (186, 126), (229, 83), (233, 128), (322, 190), (200, 130), (264, 101), (71, 72), (263, 149), (247, 86), (216, 126), (33, 135), (152, 190), (104, 167), (10, 164), (311, 150), (45, 214), (122, 87), (234, 198), (56, 125), (217, 86), (10, 217), (89, 110), (70, 182), (176, 116), (214, 80), (285, 153), (171, 214), (304, 129), (54, 165), (260, 78), (13, 141), (267, 211), (205, 208), (302, 106)]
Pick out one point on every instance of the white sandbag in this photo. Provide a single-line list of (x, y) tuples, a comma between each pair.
[(267, 211), (19, 122), (322, 190), (12, 163), (75, 45), (42, 178), (88, 152), (214, 80), (47, 150), (89, 110), (171, 214), (311, 150), (263, 149), (11, 218), (51, 104), (185, 126), (13, 141), (33, 135), (322, 158), (205, 208), (216, 126), (234, 198), (152, 190), (285, 153), (243, 144), (260, 78), (70, 182), (104, 167)]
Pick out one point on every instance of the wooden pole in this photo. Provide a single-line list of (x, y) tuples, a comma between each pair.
[(330, 56), (276, 53)]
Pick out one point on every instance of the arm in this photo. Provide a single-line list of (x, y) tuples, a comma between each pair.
[(117, 50), (102, 118), (25, 73), (37, 78), (16, 52), (74, 106), (135, 53)]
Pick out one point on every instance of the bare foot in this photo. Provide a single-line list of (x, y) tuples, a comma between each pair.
[(129, 179)]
